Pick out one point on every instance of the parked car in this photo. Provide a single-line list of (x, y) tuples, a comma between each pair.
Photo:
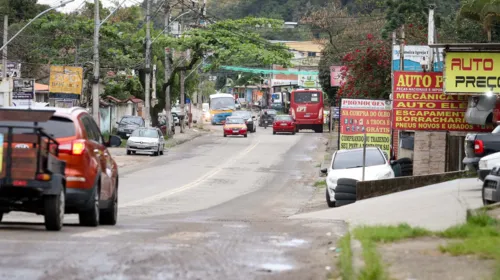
[(146, 140), (284, 123), (486, 164), (249, 119), (491, 190), (235, 126), (271, 114), (91, 172), (479, 145), (347, 167), (128, 124)]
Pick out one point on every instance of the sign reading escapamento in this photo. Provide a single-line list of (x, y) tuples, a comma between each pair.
[(360, 116), (66, 79), (472, 72), (420, 104)]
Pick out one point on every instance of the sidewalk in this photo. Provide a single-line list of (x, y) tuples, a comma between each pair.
[(123, 160)]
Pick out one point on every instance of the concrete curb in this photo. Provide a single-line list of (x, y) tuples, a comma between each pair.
[(471, 212)]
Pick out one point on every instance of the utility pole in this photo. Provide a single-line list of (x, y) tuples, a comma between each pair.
[(431, 37), (168, 69), (5, 39), (153, 83), (402, 49), (95, 80), (148, 65), (182, 80)]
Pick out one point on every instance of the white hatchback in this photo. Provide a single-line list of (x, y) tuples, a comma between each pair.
[(349, 164)]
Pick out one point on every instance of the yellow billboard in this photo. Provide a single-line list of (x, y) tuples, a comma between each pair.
[(471, 73), (66, 79)]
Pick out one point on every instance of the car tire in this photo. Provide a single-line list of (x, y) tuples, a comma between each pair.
[(345, 189), (404, 161), (129, 152), (293, 133), (274, 132), (162, 152), (340, 203), (157, 153), (91, 217), (330, 203), (245, 135), (54, 211), (225, 135), (110, 216), (344, 196), (347, 182)]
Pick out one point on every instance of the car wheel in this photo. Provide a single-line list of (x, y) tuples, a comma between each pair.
[(162, 152), (129, 152), (330, 203), (110, 216), (347, 182), (225, 135), (345, 189), (274, 132), (157, 152), (245, 135), (54, 211), (344, 196), (344, 202), (91, 217), (293, 133)]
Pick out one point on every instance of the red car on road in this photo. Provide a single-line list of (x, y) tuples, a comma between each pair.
[(284, 123), (235, 126)]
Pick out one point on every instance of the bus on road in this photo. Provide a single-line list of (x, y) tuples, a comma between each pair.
[(306, 108), (222, 105)]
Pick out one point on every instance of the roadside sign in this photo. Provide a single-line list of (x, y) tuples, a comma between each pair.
[(23, 89), (66, 79), (363, 116), (336, 113)]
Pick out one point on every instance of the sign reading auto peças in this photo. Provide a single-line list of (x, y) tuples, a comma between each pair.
[(471, 72), (420, 104)]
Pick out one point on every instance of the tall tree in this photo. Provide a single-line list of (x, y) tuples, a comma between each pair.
[(486, 12)]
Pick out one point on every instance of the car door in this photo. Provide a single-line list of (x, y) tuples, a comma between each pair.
[(94, 165), (105, 159)]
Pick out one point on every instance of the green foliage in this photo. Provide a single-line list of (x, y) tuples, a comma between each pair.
[(486, 12), (123, 86)]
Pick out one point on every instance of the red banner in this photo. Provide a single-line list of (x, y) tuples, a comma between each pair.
[(420, 104)]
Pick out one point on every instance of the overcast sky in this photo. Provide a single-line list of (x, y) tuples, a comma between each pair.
[(78, 3)]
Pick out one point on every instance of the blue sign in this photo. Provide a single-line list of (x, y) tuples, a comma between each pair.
[(188, 100), (336, 113)]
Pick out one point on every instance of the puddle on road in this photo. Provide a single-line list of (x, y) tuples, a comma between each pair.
[(277, 267)]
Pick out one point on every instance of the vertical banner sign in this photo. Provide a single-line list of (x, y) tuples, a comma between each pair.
[(360, 116), (420, 104), (335, 76)]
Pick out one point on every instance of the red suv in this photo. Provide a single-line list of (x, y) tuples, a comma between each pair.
[(91, 172)]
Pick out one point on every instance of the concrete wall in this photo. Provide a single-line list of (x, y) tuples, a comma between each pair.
[(429, 153), (369, 189)]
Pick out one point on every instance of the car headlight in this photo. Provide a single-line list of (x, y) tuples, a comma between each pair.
[(483, 164)]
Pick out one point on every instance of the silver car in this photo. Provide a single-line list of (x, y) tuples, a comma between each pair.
[(146, 140)]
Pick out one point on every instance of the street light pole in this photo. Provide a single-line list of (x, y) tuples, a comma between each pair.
[(95, 80), (168, 67), (148, 66)]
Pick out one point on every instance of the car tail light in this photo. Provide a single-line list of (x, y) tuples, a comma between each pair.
[(320, 115), (76, 147), (19, 183), (43, 177), (478, 147)]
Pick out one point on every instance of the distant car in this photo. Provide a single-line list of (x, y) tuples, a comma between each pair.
[(128, 124), (486, 164), (284, 123), (146, 140), (271, 114), (491, 187), (235, 126), (249, 119), (348, 164)]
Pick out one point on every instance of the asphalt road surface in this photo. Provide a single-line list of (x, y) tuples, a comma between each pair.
[(212, 208)]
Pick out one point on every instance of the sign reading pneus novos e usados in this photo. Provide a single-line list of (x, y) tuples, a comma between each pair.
[(471, 73)]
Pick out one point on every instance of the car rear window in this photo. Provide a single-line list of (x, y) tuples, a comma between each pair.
[(56, 126), (235, 121), (284, 118), (306, 97), (243, 114), (147, 133), (354, 159)]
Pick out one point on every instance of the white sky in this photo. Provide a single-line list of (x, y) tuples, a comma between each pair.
[(78, 3)]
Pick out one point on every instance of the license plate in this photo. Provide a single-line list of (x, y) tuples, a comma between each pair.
[(128, 134), (307, 115), (283, 124), (488, 194), (236, 131)]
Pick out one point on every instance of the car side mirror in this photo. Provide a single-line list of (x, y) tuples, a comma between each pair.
[(118, 123), (114, 141), (324, 171)]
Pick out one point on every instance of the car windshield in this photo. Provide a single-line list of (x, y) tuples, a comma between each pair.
[(354, 159), (56, 127), (243, 114), (132, 120), (284, 118), (147, 133), (235, 121), (222, 103), (306, 97)]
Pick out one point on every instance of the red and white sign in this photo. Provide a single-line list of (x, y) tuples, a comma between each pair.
[(335, 76)]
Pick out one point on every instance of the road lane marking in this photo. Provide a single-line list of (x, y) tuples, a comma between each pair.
[(188, 186)]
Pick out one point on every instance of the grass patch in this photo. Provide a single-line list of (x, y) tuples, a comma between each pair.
[(320, 183), (345, 260)]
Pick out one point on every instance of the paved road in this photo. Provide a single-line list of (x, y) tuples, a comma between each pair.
[(212, 208)]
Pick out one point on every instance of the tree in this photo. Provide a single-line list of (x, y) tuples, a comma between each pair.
[(367, 70), (486, 12), (401, 12), (228, 42)]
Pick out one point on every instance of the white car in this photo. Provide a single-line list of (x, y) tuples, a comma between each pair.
[(487, 163), (146, 140), (349, 164)]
